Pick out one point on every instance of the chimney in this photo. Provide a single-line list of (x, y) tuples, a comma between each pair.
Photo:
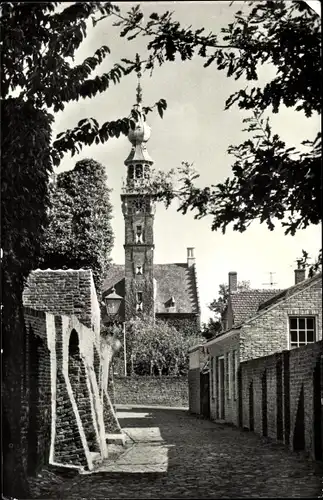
[(300, 273), (233, 281), (190, 256)]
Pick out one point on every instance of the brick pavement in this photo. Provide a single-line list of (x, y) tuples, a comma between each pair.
[(171, 454)]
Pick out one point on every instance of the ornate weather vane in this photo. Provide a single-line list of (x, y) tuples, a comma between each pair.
[(139, 90)]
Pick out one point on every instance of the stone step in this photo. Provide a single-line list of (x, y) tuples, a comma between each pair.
[(116, 438)]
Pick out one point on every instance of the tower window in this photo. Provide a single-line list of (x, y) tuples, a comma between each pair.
[(139, 301), (138, 171), (139, 270), (130, 171), (139, 206), (138, 234)]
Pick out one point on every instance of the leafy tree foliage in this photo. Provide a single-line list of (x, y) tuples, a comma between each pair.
[(307, 263), (24, 176), (270, 180), (156, 348), (218, 306), (79, 233)]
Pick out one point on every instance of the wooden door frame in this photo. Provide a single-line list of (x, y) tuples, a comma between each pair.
[(221, 394)]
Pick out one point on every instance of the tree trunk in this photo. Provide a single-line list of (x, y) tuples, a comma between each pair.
[(15, 483)]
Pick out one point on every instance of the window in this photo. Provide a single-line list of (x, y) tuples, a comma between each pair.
[(139, 270), (301, 330), (234, 374), (227, 374), (139, 301), (138, 234), (138, 171), (139, 206), (130, 171)]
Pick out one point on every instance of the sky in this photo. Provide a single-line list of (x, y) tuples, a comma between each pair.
[(195, 128)]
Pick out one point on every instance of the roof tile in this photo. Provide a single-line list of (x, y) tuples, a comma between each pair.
[(173, 280), (246, 303)]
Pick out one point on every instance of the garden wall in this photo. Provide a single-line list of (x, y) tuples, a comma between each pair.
[(282, 397), (146, 391)]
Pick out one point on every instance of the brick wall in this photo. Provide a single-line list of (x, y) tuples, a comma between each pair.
[(253, 373), (285, 390), (145, 390), (36, 393), (68, 292), (68, 444), (63, 418), (111, 423), (268, 333), (303, 362)]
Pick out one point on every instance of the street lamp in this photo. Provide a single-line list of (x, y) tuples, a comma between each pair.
[(112, 304)]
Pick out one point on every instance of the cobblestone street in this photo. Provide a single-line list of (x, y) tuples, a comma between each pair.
[(171, 454)]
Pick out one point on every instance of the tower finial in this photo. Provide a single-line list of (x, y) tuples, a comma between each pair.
[(139, 90)]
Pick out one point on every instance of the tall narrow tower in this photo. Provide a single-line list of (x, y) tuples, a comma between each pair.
[(138, 211)]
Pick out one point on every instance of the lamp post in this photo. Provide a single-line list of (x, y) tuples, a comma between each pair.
[(112, 303)]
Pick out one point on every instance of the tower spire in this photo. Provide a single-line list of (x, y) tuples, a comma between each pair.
[(139, 90)]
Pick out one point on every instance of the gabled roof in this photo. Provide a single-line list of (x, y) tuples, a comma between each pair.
[(172, 280), (66, 292), (175, 280), (269, 304), (284, 294), (246, 303)]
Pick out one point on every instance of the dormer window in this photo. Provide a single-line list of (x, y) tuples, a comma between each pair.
[(139, 171), (139, 234), (170, 304), (139, 301), (139, 270)]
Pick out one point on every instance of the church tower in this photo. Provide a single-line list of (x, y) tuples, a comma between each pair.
[(138, 211)]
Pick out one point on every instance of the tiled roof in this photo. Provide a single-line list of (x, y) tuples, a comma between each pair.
[(114, 278), (290, 291), (245, 304), (172, 280), (68, 292)]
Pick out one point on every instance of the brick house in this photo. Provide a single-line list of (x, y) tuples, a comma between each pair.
[(68, 412), (166, 291), (289, 319)]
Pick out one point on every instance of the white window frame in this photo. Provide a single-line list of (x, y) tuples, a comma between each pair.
[(139, 235), (304, 317), (139, 306), (141, 270)]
